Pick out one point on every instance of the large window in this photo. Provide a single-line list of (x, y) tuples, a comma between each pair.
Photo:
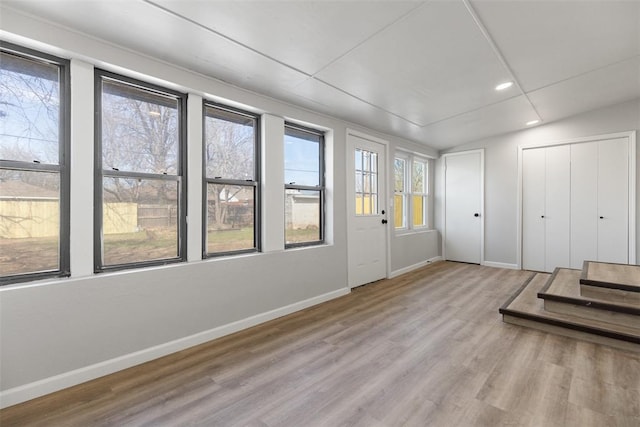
[(411, 192), (34, 165), (230, 180), (140, 188), (304, 186)]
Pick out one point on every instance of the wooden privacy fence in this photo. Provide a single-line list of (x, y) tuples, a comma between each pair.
[(41, 218)]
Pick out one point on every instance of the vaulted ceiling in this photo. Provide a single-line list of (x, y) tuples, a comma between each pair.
[(425, 71)]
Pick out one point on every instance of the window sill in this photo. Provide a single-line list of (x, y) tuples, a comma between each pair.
[(413, 231)]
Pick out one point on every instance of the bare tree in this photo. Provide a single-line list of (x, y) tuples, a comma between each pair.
[(229, 154)]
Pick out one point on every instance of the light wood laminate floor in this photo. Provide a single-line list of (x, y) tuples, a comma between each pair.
[(425, 349)]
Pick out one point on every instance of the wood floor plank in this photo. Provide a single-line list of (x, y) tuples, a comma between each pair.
[(425, 348)]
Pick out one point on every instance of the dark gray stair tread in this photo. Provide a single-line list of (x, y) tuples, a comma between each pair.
[(526, 305), (608, 275), (563, 286)]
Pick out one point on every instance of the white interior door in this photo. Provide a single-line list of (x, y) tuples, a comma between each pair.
[(584, 203), (367, 227), (533, 200), (557, 204), (463, 206), (613, 200)]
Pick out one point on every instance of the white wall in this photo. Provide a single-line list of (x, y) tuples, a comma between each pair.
[(501, 170), (57, 333)]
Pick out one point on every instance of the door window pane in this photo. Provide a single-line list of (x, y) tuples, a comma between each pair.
[(366, 177)]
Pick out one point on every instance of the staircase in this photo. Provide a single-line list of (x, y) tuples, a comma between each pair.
[(600, 304)]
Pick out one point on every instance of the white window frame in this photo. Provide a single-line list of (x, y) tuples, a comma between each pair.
[(409, 193)]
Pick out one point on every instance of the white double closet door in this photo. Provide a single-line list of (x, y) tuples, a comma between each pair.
[(575, 204)]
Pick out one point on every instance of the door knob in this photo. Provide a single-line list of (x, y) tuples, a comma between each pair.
[(384, 221)]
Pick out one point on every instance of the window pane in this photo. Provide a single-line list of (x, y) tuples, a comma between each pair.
[(399, 211), (229, 144), (140, 220), (359, 182), (419, 177), (301, 160), (419, 210), (358, 157), (399, 175), (29, 221), (230, 218), (140, 130), (366, 161), (302, 216), (29, 110)]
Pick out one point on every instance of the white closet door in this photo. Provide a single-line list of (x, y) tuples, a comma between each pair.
[(463, 204), (533, 199), (557, 207), (584, 203), (613, 200)]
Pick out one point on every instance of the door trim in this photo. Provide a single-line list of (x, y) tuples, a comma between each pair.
[(444, 202), (348, 169), (631, 135)]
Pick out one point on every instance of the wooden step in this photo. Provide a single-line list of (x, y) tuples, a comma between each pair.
[(612, 282), (526, 309), (561, 294)]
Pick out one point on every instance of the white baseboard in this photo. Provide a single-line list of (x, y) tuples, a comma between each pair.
[(501, 265), (401, 271), (39, 388)]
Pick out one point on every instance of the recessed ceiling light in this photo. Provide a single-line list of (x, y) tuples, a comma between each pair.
[(505, 85), (533, 122)]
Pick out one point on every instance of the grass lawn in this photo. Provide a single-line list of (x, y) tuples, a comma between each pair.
[(229, 240), (41, 254), (294, 235), (28, 255)]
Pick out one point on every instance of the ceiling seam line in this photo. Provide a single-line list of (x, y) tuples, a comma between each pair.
[(395, 21), (473, 110), (225, 37), (367, 102), (498, 53), (634, 57)]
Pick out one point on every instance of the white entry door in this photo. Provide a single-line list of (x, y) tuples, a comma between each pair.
[(367, 212), (463, 205)]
